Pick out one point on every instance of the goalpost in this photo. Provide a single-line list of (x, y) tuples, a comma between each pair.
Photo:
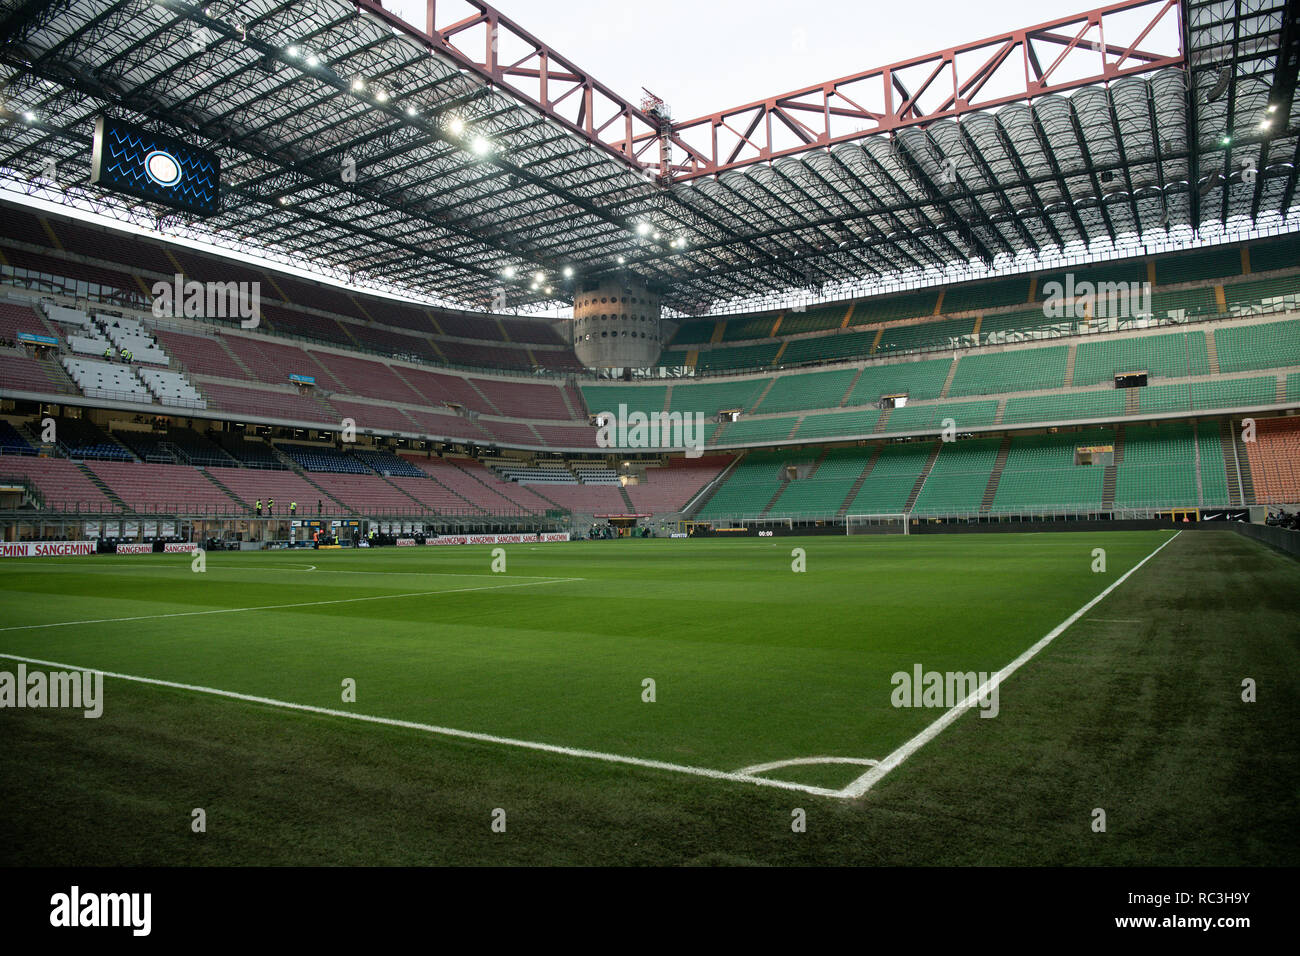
[(887, 523)]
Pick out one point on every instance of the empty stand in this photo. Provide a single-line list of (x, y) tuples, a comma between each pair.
[(1274, 460), (61, 484), (163, 489)]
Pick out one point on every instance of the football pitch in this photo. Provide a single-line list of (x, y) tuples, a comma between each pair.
[(665, 701)]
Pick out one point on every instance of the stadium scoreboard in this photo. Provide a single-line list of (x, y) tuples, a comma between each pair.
[(130, 159)]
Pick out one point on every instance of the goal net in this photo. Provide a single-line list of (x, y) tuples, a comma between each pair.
[(896, 523)]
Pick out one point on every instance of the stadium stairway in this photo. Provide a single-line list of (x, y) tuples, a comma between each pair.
[(780, 490), (785, 483), (1243, 463), (1211, 350), (947, 382), (58, 375), (852, 385), (702, 497), (857, 484), (1196, 459), (109, 493), (230, 353), (991, 489), (28, 430), (925, 473), (415, 502), (573, 402), (230, 494), (1110, 473), (1068, 381), (627, 500), (758, 402), (1235, 495)]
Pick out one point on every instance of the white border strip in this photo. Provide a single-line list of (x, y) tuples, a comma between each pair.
[(869, 779)]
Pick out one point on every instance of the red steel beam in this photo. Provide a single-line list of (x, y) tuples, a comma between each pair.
[(603, 117), (614, 124), (956, 87)]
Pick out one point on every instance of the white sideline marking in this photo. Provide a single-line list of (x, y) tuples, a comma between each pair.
[(279, 607), (444, 731), (869, 779)]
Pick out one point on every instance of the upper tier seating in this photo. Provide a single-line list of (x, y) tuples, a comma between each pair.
[(368, 377), (1015, 370), (1177, 355), (202, 355), (1269, 345), (525, 399), (16, 317), (127, 333)]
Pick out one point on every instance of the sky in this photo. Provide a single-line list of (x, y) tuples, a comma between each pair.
[(705, 55)]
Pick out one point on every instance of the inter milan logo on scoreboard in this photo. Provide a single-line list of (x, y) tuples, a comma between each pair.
[(130, 159)]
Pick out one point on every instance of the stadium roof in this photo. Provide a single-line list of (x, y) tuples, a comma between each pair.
[(485, 161)]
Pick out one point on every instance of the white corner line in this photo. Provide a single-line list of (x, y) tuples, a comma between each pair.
[(869, 779), (759, 768), (444, 731), (281, 607)]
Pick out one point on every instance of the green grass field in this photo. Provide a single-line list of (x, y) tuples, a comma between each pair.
[(1136, 708)]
